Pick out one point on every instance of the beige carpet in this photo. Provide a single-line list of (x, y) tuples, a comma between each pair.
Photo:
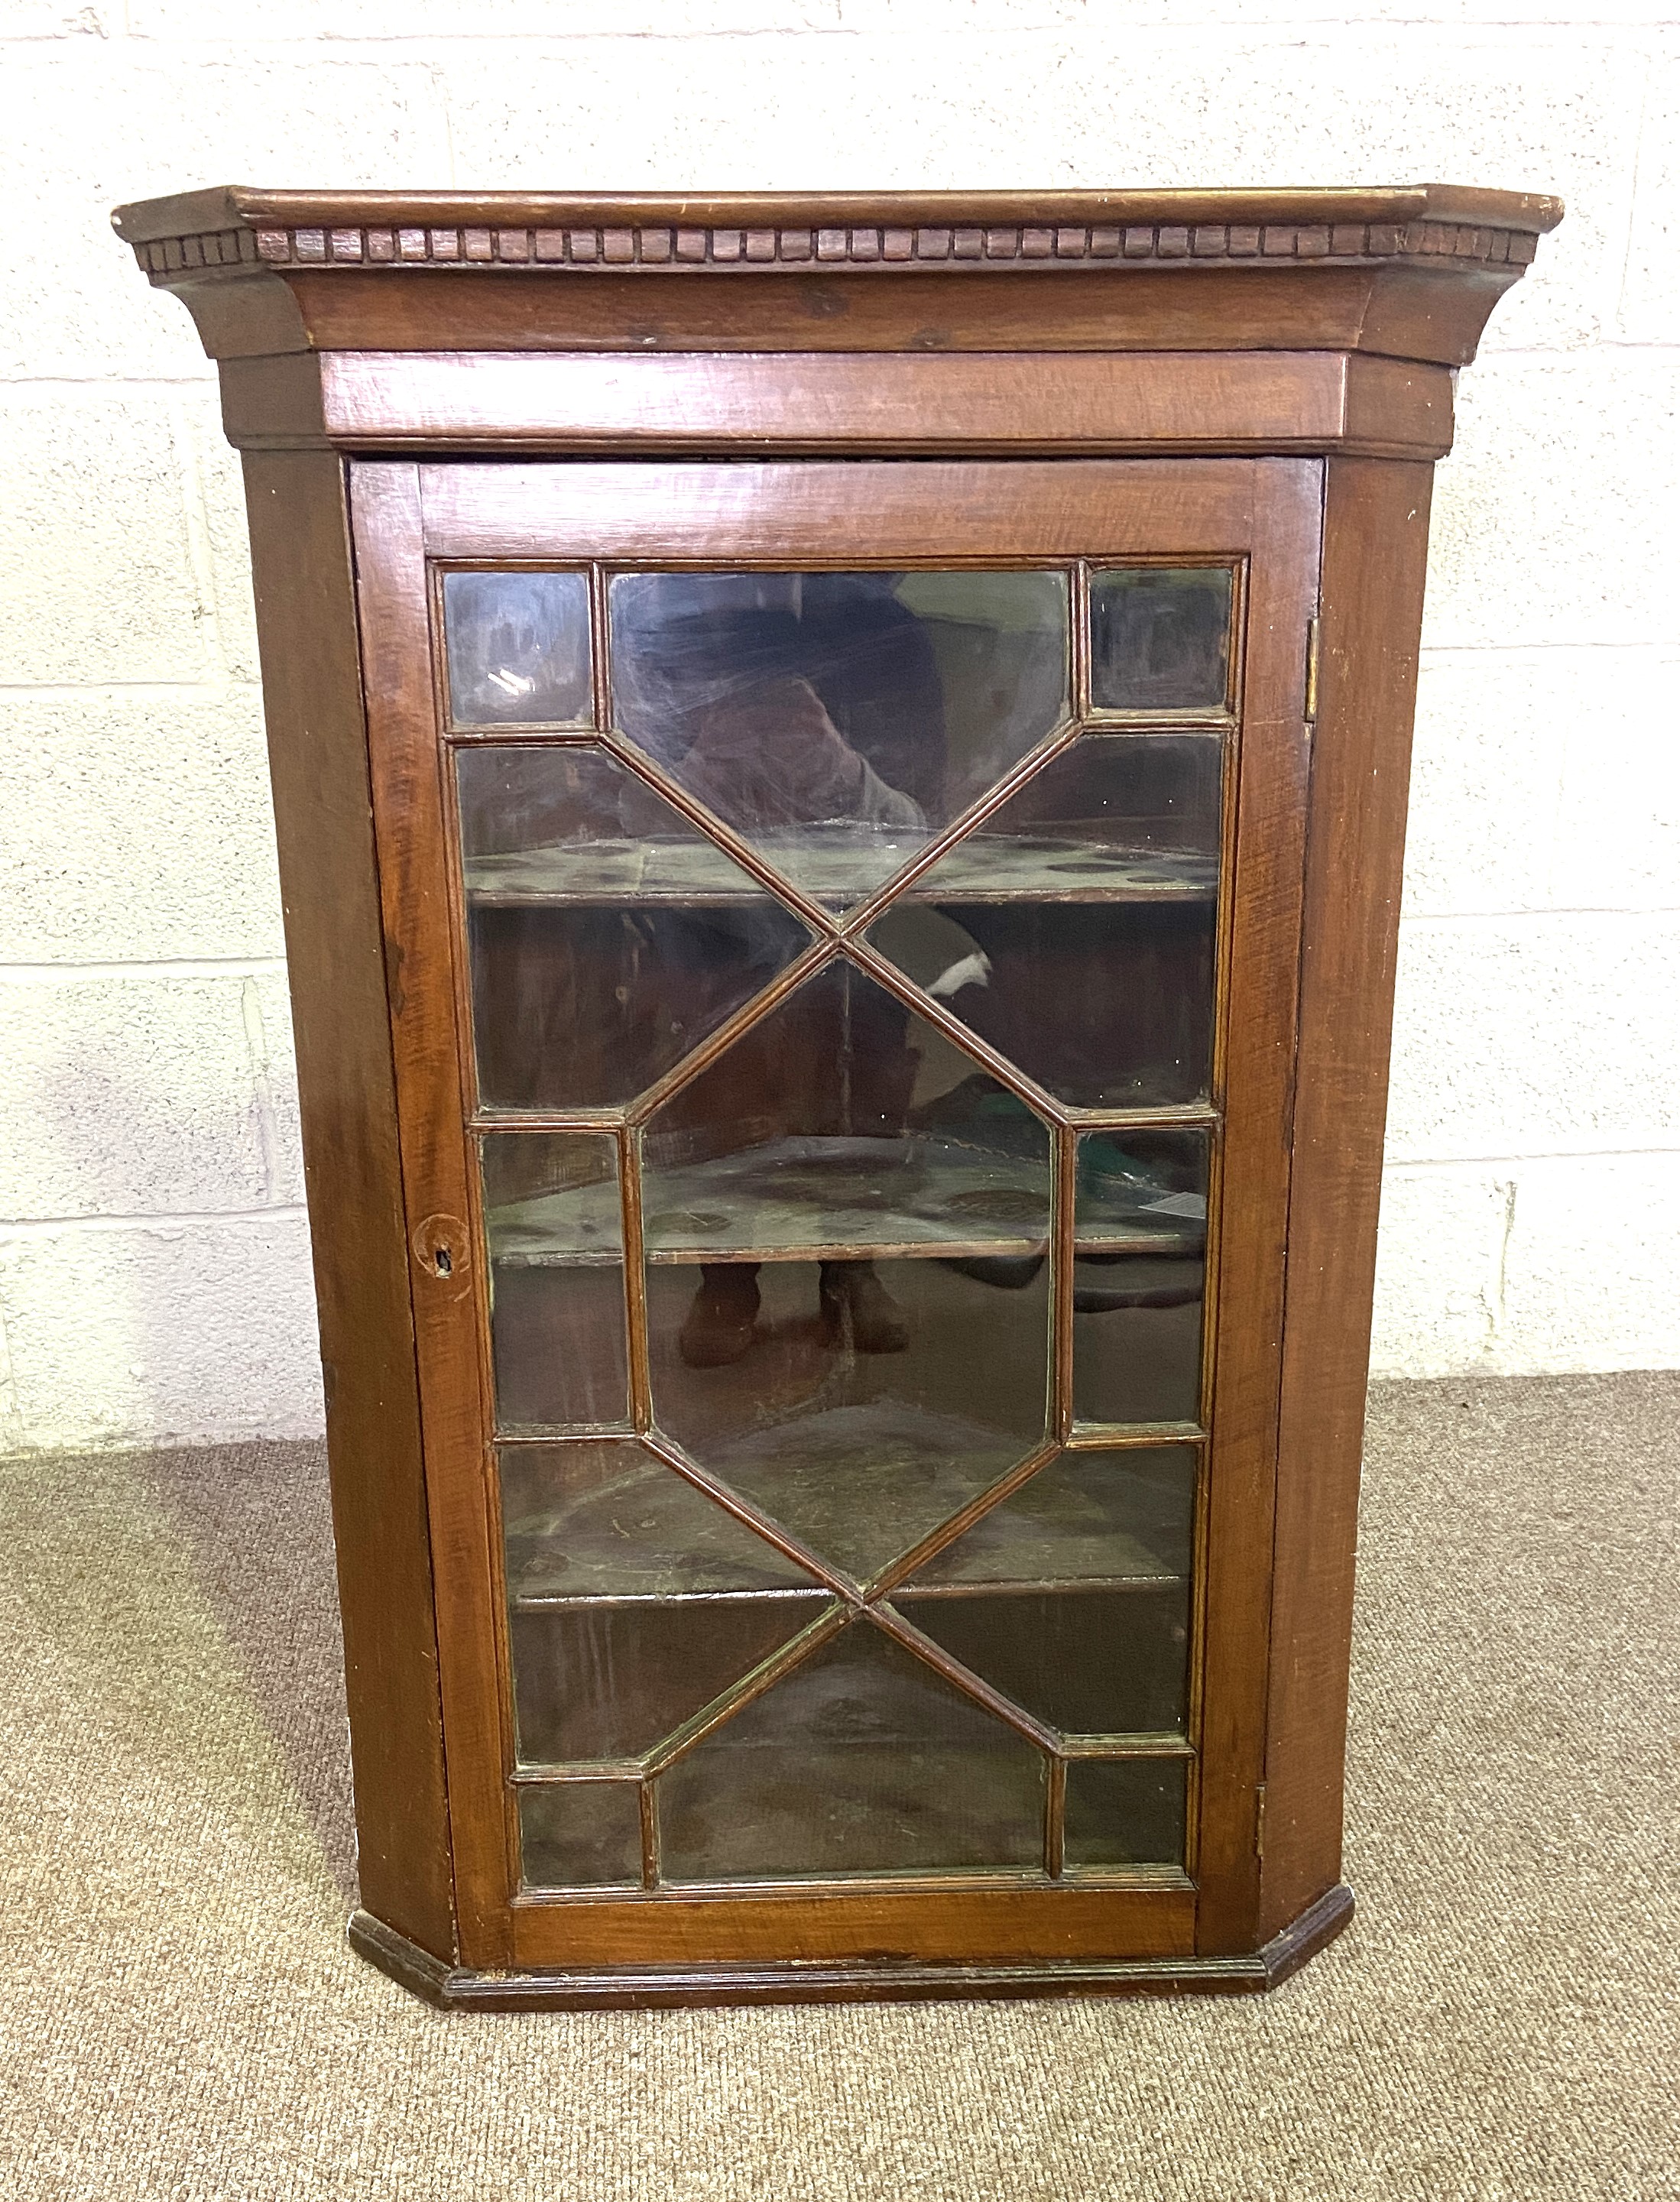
[(179, 2015)]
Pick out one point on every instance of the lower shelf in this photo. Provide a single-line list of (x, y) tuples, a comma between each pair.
[(455, 1987)]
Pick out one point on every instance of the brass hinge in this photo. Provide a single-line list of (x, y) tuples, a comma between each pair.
[(1311, 711), (1260, 1821)]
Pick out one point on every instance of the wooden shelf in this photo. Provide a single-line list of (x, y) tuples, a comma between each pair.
[(837, 864), (802, 1199), (645, 1534)]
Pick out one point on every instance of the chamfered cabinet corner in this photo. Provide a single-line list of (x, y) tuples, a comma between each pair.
[(840, 772)]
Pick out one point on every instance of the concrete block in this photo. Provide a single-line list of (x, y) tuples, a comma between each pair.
[(1536, 1035), (1545, 778), (139, 827), (1197, 16), (126, 1094), (1487, 767), (96, 568), (873, 113), (1049, 103), (1438, 1267), (92, 123), (57, 18), (302, 21), (311, 22), (1591, 1281), (1617, 845), (169, 1331), (219, 482), (1650, 304), (1550, 111), (1554, 514)]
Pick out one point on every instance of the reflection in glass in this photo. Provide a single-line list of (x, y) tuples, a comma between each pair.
[(580, 1834), (1160, 638), (838, 720), (1083, 1658), (1125, 1812), (557, 1300), (859, 1447), (846, 1225), (600, 1678), (862, 1760), (608, 937), (1139, 1265), (1118, 1516), (608, 1519), (518, 647), (1074, 929)]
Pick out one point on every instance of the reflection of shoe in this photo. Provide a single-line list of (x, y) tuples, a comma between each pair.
[(858, 1310), (718, 1327)]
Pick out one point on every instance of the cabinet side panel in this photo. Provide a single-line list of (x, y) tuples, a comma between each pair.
[(311, 680), (1376, 524), (406, 775)]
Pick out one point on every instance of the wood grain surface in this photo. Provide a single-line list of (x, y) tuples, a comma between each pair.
[(1376, 525), (353, 1173)]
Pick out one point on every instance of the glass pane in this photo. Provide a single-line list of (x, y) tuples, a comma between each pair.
[(1125, 1812), (608, 1519), (581, 1834), (1160, 638), (1120, 1516), (1074, 928), (518, 647), (843, 1123), (862, 1760), (609, 1678), (838, 720), (556, 1290), (1140, 1259), (1086, 1659), (847, 1284), (608, 937)]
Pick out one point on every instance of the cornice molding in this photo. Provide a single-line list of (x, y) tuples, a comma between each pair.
[(300, 232), (668, 249)]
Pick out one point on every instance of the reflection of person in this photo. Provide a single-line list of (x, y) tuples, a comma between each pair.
[(773, 754), (783, 703), (705, 667)]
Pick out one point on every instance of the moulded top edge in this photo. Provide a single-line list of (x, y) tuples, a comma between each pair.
[(236, 207)]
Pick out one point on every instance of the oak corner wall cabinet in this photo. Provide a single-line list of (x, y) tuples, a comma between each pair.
[(840, 770)]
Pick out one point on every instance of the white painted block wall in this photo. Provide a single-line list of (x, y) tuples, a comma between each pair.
[(154, 1273)]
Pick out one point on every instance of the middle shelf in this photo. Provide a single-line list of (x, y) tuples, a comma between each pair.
[(811, 1198)]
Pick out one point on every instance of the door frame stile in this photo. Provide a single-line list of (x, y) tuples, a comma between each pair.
[(1263, 961)]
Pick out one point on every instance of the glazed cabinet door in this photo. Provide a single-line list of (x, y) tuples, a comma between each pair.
[(842, 925)]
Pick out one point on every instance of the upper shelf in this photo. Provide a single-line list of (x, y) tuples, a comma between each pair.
[(985, 869)]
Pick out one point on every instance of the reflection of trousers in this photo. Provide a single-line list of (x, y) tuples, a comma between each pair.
[(834, 1061), (839, 1064), (854, 1309)]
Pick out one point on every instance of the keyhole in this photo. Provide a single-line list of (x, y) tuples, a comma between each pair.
[(440, 1248)]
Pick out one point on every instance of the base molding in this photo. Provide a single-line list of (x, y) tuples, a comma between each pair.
[(457, 1987)]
